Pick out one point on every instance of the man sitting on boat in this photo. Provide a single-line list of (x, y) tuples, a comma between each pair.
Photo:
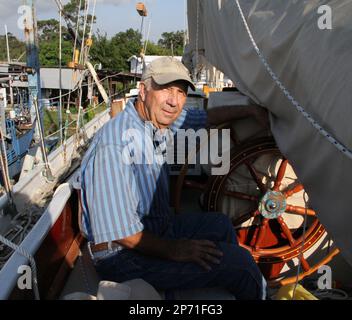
[(126, 214)]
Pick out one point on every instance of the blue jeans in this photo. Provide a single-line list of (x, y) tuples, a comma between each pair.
[(236, 272)]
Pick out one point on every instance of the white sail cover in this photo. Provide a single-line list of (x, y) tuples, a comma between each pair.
[(315, 66)]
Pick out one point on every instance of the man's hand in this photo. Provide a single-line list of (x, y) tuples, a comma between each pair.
[(202, 252)]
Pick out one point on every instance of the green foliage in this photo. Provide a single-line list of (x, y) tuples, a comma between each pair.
[(126, 44), (48, 53), (155, 50), (17, 48), (71, 14), (172, 42), (112, 53), (48, 30)]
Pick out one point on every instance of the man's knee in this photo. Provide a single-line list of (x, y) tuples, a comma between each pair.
[(238, 264)]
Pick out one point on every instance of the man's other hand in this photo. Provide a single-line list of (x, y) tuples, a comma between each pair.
[(202, 252)]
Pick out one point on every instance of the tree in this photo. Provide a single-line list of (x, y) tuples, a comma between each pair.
[(155, 50), (102, 51), (17, 48), (127, 44), (72, 11), (48, 30), (172, 42), (114, 54), (48, 33)]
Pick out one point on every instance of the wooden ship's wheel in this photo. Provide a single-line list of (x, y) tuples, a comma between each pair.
[(269, 210)]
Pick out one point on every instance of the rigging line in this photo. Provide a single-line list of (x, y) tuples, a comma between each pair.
[(91, 27), (4, 168), (24, 253), (77, 87), (92, 20), (74, 50), (82, 58), (197, 45), (60, 78), (147, 38), (185, 25), (86, 111), (328, 136), (301, 256)]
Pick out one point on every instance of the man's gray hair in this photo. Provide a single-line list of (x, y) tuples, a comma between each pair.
[(148, 83)]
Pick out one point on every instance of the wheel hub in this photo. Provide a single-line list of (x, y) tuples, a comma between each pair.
[(272, 205)]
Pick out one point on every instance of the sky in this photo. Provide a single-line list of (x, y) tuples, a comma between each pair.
[(113, 16)]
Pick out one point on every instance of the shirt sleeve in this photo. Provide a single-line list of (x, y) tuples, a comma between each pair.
[(190, 118), (111, 196)]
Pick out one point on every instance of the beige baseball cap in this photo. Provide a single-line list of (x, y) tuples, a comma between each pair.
[(167, 69)]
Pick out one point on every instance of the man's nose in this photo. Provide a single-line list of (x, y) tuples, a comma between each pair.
[(172, 99)]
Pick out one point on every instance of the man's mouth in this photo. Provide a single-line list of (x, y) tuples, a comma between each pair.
[(168, 113)]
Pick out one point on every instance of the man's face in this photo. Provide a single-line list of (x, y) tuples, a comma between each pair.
[(164, 103)]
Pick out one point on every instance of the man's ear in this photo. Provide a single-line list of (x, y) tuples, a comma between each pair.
[(142, 91)]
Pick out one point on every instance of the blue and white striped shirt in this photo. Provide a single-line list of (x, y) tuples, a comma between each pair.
[(121, 196)]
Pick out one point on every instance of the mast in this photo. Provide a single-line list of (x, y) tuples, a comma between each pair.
[(33, 68), (9, 61), (34, 86), (7, 45)]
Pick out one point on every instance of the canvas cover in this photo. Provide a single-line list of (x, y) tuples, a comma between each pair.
[(314, 65)]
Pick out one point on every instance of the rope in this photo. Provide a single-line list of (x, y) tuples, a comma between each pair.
[(331, 294), (84, 85), (73, 58), (338, 145), (92, 20), (147, 38), (60, 78), (31, 260), (82, 53), (197, 44), (185, 25), (303, 242)]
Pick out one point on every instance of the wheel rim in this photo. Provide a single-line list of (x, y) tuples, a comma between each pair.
[(270, 257)]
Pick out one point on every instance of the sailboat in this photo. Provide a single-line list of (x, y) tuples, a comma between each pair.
[(291, 59)]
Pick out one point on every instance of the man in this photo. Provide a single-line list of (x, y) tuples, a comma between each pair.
[(126, 214)]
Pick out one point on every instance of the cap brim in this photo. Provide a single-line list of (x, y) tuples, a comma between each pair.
[(162, 79)]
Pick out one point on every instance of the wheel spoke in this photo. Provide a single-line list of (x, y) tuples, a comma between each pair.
[(300, 210), (261, 234), (291, 192), (245, 217), (286, 231), (240, 195), (194, 185), (280, 174), (256, 178)]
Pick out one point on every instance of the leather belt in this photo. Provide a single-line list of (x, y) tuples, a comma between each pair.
[(103, 246)]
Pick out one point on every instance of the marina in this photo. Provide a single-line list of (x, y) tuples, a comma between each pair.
[(287, 187)]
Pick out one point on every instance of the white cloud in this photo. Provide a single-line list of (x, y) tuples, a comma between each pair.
[(8, 9)]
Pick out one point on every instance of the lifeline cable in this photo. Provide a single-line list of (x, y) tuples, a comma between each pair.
[(20, 250)]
